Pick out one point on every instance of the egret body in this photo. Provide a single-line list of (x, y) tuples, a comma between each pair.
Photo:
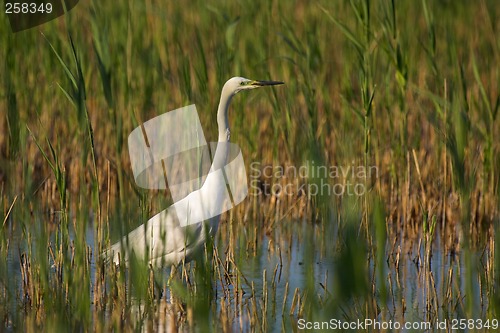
[(162, 239)]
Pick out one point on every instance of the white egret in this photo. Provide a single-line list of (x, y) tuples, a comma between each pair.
[(164, 239)]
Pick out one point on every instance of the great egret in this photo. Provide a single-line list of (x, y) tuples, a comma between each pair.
[(164, 240)]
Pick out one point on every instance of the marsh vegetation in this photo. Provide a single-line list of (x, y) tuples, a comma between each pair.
[(406, 88)]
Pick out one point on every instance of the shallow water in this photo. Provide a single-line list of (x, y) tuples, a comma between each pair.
[(413, 289)]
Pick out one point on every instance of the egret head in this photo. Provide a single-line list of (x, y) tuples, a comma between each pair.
[(237, 84)]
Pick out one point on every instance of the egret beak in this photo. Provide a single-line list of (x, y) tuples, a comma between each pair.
[(265, 83)]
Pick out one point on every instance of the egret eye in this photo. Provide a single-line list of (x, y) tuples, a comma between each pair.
[(242, 83)]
